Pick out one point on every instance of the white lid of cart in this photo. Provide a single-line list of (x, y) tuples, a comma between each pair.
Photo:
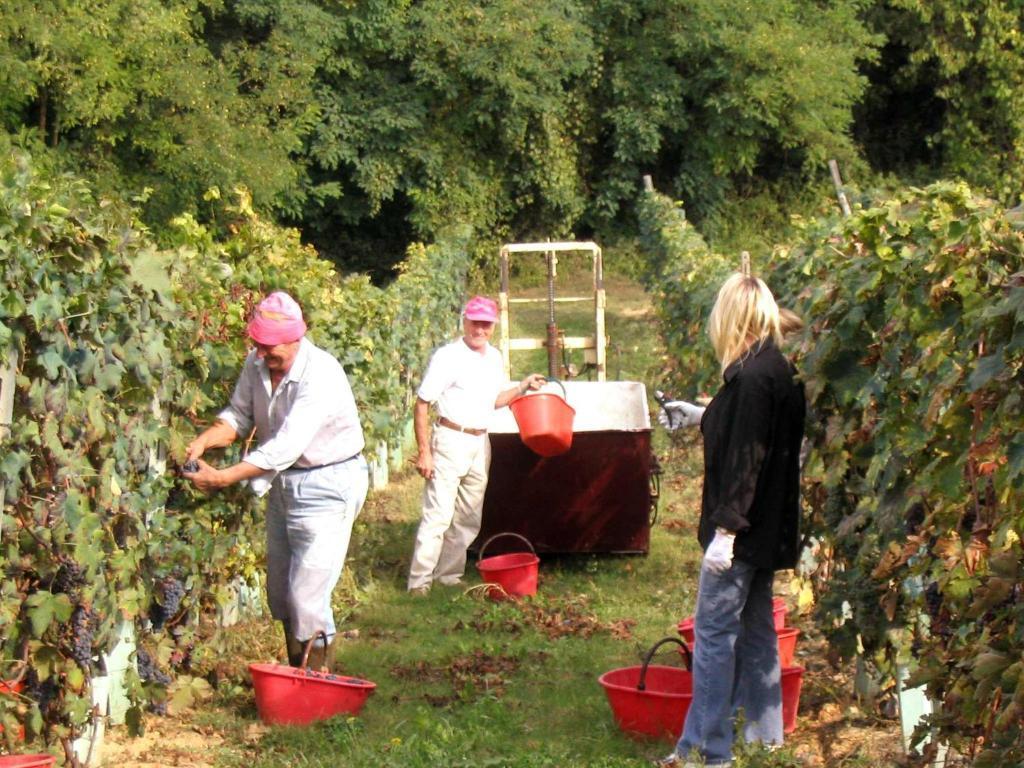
[(601, 406)]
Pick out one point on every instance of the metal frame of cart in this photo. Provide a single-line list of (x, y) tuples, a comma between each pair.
[(594, 347)]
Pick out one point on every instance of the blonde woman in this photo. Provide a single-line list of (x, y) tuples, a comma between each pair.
[(677, 414), (749, 527)]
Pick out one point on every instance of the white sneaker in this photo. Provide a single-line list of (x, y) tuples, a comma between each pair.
[(675, 761)]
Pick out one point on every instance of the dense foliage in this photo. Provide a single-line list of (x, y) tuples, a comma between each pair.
[(124, 351), (913, 359), (146, 95), (372, 123), (87, 542), (682, 274), (719, 102), (946, 93)]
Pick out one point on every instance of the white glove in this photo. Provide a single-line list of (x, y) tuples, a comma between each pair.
[(679, 413), (718, 555)]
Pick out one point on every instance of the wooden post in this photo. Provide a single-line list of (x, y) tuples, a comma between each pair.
[(600, 303), (837, 182), (745, 263), (8, 369), (504, 329), (648, 183)]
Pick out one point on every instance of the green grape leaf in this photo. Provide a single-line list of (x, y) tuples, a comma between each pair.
[(44, 608), (987, 369)]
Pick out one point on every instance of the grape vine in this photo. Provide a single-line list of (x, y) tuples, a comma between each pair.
[(913, 358), (93, 532)]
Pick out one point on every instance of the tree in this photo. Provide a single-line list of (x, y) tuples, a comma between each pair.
[(131, 90), (437, 112), (960, 67), (716, 99)]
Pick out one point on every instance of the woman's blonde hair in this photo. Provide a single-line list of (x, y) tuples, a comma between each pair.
[(789, 322), (744, 314)]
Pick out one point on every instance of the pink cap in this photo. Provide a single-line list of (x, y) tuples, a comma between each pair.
[(277, 320), (481, 308)]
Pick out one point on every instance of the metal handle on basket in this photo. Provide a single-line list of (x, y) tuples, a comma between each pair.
[(480, 554), (565, 395), (647, 659), (309, 647)]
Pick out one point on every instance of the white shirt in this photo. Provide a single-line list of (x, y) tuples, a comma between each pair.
[(464, 383), (308, 421)]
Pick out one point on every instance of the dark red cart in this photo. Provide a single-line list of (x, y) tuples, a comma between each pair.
[(597, 497)]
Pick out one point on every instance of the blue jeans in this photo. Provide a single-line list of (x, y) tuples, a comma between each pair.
[(735, 664)]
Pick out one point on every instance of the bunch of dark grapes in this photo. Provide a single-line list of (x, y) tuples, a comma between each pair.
[(83, 624), (148, 670), (150, 673), (190, 466), (43, 692), (933, 599), (175, 499), (835, 507), (167, 604), (69, 579), (933, 604)]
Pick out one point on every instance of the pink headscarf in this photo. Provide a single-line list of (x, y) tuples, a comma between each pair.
[(276, 320)]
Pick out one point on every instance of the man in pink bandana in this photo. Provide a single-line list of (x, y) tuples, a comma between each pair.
[(307, 462), (465, 381)]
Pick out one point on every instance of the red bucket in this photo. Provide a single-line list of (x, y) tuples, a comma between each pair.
[(787, 645), (298, 696), (779, 612), (514, 574), (12, 688), (787, 640), (545, 421), (27, 761), (685, 626), (650, 700), (792, 681)]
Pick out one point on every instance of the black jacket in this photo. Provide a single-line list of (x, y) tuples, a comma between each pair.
[(752, 434)]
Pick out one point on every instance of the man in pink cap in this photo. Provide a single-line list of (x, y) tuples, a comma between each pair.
[(308, 463), (465, 380)]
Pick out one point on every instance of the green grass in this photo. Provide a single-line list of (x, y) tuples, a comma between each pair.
[(465, 681)]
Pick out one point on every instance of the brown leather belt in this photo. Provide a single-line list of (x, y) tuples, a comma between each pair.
[(458, 428)]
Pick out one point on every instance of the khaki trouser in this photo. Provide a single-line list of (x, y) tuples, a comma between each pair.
[(452, 504), (309, 522)]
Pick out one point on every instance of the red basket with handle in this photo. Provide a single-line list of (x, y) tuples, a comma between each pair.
[(650, 700), (792, 682), (299, 696), (513, 575), (787, 637), (545, 421)]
